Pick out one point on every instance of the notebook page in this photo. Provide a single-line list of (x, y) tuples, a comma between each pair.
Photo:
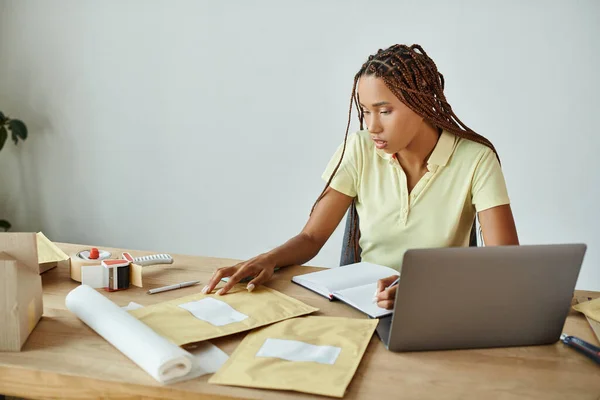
[(339, 278), (361, 298)]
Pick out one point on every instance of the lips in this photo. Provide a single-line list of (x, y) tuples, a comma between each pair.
[(380, 144)]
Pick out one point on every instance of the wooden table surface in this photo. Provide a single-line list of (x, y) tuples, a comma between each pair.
[(65, 359)]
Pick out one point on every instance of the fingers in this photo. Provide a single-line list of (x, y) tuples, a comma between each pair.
[(263, 277), (217, 276), (389, 280), (380, 286), (258, 270), (242, 272), (385, 282), (385, 299), (388, 294), (387, 304), (392, 292)]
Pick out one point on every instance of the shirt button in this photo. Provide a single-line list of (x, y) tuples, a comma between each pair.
[(404, 211)]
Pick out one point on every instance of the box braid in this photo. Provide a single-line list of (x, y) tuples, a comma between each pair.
[(412, 76)]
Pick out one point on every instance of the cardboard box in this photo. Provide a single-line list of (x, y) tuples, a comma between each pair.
[(21, 304)]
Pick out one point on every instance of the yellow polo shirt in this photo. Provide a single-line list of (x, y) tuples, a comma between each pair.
[(463, 178)]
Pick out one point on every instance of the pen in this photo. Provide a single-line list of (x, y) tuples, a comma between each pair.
[(582, 346), (393, 283), (171, 287)]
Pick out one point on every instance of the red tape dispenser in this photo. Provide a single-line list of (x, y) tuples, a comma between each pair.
[(118, 274)]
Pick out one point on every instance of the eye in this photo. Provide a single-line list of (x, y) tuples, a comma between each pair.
[(385, 111), (366, 112)]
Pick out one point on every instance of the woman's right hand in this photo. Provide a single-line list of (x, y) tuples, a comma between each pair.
[(260, 267), (384, 296)]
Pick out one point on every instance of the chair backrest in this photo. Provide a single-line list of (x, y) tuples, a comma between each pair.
[(347, 256)]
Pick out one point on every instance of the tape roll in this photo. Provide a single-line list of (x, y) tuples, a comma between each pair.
[(81, 259)]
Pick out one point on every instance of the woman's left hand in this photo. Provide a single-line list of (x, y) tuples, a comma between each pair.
[(385, 297)]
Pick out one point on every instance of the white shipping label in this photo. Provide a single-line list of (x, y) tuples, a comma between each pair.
[(293, 350), (215, 312)]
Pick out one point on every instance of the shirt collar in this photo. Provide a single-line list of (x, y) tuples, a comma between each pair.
[(439, 156)]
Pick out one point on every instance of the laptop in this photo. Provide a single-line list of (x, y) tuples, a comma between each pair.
[(479, 297)]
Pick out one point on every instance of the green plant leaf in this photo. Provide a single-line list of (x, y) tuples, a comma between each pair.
[(3, 136), (1, 117), (14, 136), (18, 129), (4, 224)]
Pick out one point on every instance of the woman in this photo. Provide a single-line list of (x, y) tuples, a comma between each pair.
[(417, 177)]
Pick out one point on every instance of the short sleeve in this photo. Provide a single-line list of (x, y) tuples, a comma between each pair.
[(346, 177), (488, 186)]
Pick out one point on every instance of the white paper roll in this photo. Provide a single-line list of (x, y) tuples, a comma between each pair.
[(163, 360)]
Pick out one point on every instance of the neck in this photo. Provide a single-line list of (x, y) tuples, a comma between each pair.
[(415, 155)]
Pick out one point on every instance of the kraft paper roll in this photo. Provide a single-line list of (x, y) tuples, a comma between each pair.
[(81, 259)]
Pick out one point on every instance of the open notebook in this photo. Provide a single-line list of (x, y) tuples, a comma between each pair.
[(354, 284)]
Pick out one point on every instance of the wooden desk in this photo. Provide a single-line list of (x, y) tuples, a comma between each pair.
[(63, 358)]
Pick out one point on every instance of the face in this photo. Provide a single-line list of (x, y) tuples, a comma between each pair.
[(391, 123)]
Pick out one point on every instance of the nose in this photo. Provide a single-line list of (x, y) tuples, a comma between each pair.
[(374, 125)]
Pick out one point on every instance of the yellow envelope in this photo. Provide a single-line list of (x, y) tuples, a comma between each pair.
[(300, 354), (49, 255), (47, 251), (237, 311), (590, 308)]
